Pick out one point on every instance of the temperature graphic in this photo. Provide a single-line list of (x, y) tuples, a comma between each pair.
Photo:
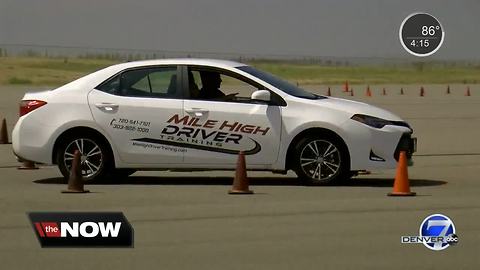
[(421, 34)]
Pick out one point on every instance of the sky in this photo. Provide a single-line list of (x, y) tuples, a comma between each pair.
[(333, 28)]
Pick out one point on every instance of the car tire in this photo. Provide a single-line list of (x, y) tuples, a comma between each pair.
[(96, 160), (321, 160)]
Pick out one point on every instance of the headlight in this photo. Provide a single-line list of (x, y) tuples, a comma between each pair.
[(371, 120)]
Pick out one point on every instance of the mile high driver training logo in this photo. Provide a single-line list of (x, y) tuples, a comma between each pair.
[(211, 135)]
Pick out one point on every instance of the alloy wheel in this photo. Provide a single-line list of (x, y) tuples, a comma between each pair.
[(320, 160), (91, 160)]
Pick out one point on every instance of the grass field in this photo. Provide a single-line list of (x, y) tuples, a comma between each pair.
[(40, 71), (46, 71)]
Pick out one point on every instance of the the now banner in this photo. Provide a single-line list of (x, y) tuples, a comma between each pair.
[(82, 229)]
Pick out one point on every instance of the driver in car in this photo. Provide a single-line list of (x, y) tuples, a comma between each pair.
[(211, 82)]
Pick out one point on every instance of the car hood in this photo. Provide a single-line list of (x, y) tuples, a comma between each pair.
[(355, 107)]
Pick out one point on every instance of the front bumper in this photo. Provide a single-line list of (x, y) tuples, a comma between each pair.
[(406, 143)]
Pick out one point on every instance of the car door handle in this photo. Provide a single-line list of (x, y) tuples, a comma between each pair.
[(107, 106), (198, 112)]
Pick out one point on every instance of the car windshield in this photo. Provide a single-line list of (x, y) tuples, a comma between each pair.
[(279, 83)]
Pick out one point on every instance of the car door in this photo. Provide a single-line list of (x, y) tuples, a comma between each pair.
[(214, 131), (133, 108)]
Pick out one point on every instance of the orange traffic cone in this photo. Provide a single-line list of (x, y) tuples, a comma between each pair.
[(345, 87), (369, 92), (240, 183), (401, 186), (28, 165), (329, 93), (422, 92), (467, 93), (401, 91), (448, 89), (75, 181), (4, 133), (384, 92)]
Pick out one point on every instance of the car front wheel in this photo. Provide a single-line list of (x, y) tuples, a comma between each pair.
[(94, 160), (321, 160)]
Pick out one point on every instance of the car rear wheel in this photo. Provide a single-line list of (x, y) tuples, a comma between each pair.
[(321, 160), (95, 160)]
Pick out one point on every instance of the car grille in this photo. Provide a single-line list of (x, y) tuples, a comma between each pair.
[(407, 144)]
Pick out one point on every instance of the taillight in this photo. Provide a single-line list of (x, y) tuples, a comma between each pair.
[(27, 106)]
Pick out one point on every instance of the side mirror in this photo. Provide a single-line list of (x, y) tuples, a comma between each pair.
[(263, 95)]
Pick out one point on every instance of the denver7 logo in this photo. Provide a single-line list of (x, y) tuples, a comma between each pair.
[(438, 226)]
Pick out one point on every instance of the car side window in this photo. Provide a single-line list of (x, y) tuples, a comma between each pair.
[(159, 82), (110, 86), (207, 84)]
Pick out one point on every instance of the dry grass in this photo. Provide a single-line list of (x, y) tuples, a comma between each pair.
[(41, 71), (46, 71)]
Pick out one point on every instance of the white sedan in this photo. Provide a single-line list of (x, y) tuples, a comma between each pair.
[(197, 114)]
